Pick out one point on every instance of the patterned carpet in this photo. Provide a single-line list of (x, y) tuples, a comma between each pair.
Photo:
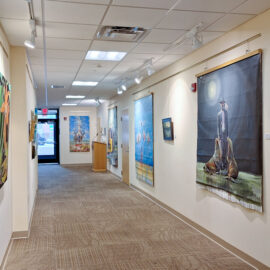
[(91, 221)]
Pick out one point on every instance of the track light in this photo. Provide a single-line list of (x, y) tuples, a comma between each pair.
[(138, 79), (119, 91), (123, 86), (197, 41), (29, 44)]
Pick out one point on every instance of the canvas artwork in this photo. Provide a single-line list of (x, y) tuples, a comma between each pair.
[(33, 132), (229, 149), (4, 127), (79, 134), (144, 139), (112, 137), (167, 129)]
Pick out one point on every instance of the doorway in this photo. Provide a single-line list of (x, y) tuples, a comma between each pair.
[(48, 137), (125, 146)]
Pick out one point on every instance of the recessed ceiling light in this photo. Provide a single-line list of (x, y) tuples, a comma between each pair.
[(75, 96), (105, 56), (81, 83), (69, 104)]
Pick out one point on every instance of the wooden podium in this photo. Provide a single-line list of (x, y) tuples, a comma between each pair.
[(99, 157)]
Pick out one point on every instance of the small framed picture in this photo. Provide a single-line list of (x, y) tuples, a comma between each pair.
[(167, 125)]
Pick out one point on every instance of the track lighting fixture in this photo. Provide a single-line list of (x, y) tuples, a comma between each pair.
[(31, 43), (119, 91), (138, 79), (124, 87)]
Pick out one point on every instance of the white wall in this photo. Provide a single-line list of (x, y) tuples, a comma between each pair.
[(67, 157), (175, 163), (5, 191), (32, 163)]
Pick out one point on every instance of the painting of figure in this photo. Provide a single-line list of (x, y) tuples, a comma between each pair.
[(229, 148), (79, 134), (144, 139), (112, 137), (4, 128)]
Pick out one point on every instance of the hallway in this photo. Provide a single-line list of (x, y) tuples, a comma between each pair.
[(84, 220)]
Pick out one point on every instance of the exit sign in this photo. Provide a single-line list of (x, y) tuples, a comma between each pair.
[(44, 111)]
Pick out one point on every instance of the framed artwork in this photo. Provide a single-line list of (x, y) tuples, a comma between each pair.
[(229, 148), (144, 139), (112, 137), (4, 127), (79, 133), (167, 126)]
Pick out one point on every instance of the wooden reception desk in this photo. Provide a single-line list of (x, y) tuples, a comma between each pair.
[(99, 157)]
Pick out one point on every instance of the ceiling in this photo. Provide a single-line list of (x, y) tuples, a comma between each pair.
[(71, 28)]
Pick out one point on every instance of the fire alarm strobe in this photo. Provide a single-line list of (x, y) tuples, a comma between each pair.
[(193, 87)]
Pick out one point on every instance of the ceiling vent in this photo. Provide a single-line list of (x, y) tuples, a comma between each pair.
[(121, 33)]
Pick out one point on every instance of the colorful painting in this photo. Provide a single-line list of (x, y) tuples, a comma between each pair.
[(33, 132), (167, 129), (144, 139), (112, 137), (229, 149), (79, 134), (4, 127)]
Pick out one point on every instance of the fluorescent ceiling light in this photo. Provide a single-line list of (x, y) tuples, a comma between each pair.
[(75, 96), (105, 56), (69, 104), (81, 83)]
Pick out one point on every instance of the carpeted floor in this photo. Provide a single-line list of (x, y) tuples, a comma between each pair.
[(89, 221)]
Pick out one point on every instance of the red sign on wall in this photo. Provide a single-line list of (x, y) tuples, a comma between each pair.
[(44, 111)]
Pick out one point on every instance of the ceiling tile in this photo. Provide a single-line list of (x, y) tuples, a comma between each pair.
[(163, 36), (142, 56), (209, 36), (253, 7), (229, 21), (99, 45), (209, 5), (72, 31), (101, 2), (125, 16), (15, 9), (149, 48), (188, 19), (58, 54), (63, 44), (73, 12), (17, 31), (149, 3)]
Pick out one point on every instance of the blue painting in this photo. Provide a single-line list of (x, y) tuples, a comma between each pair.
[(112, 137), (144, 139), (167, 129), (79, 134)]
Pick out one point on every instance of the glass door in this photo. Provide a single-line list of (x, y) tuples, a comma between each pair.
[(47, 134)]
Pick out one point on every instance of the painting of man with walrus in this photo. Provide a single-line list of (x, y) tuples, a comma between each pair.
[(229, 148)]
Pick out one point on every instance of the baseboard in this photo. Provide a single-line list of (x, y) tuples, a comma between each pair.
[(257, 264), (6, 255), (20, 234), (114, 174), (79, 164)]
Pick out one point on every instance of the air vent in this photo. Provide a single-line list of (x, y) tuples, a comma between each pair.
[(121, 33)]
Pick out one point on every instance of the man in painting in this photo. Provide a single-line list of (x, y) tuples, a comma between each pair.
[(223, 133)]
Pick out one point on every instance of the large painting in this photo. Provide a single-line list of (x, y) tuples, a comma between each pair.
[(112, 137), (144, 139), (79, 134), (229, 149), (4, 127)]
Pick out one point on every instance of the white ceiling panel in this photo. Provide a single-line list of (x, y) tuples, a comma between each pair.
[(59, 54), (150, 48), (101, 2), (188, 19), (142, 56), (163, 35), (209, 5), (209, 36), (99, 45), (15, 9), (143, 3), (99, 66), (63, 44), (17, 31), (64, 30), (229, 21), (89, 76), (253, 7), (73, 12), (133, 16), (182, 49)]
